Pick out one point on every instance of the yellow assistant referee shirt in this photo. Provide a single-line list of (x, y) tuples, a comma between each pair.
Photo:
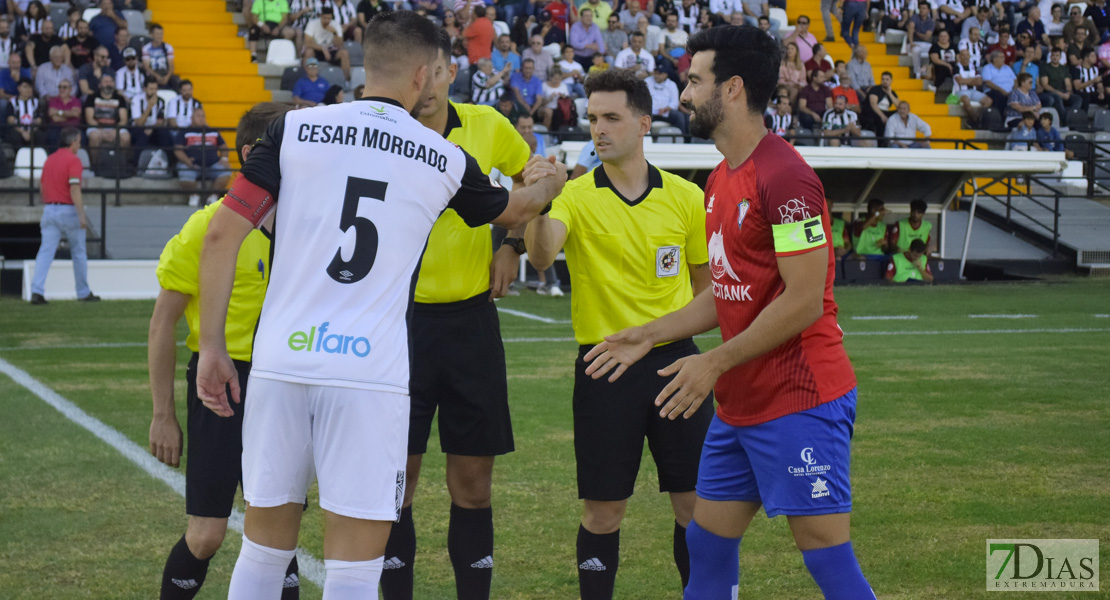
[(178, 271), (629, 259), (456, 262)]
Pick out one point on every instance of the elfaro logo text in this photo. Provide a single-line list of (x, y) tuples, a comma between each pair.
[(319, 340)]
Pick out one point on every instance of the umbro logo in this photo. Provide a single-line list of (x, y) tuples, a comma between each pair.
[(592, 564), (485, 563), (393, 563), (291, 581), (345, 274), (185, 584)]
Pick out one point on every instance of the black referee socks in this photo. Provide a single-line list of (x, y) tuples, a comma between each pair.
[(598, 557), (470, 546), (681, 554), (183, 574), (400, 553), (291, 587)]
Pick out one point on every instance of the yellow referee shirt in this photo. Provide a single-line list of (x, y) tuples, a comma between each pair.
[(177, 271), (456, 262), (628, 259)]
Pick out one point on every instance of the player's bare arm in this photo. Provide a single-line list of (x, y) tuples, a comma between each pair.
[(800, 304), (544, 181), (165, 431), (215, 370), (700, 277)]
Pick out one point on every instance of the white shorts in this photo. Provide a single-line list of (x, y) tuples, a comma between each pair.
[(355, 442)]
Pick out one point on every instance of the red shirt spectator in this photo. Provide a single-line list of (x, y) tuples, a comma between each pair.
[(479, 36), (60, 170), (558, 12)]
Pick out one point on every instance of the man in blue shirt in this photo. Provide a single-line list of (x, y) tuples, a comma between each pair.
[(10, 77), (528, 89), (502, 54), (104, 25), (1048, 138), (310, 88)]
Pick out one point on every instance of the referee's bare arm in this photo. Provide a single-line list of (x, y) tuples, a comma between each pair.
[(165, 431), (543, 239), (544, 181), (226, 233)]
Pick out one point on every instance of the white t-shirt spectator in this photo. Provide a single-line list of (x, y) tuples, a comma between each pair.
[(626, 59), (159, 57), (663, 95), (324, 37), (551, 95), (569, 67)]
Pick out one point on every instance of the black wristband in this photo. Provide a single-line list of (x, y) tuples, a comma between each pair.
[(546, 209)]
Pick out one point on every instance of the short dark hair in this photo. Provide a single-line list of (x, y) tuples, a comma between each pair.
[(397, 37), (1082, 55), (68, 135), (584, 11), (1047, 115), (874, 204), (918, 205), (479, 11), (149, 80), (1022, 77), (636, 34), (154, 26), (917, 245), (252, 125), (184, 82), (621, 80), (744, 52), (885, 73)]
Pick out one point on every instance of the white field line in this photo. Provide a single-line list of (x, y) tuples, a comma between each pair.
[(81, 346), (310, 567), (887, 333), (1002, 316), (527, 315), (1102, 316), (886, 318)]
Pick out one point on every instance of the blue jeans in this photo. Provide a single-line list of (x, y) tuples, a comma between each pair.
[(59, 220), (855, 13)]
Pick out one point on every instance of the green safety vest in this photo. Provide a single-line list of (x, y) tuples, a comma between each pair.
[(867, 242), (904, 270), (838, 226), (907, 234)]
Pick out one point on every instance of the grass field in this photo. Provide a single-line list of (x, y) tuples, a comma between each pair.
[(968, 428)]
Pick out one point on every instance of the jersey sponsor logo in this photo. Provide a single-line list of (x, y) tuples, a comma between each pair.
[(709, 207), (735, 293), (820, 489), (794, 210), (809, 466), (666, 261), (319, 340), (379, 112), (349, 135), (813, 231), (807, 456), (718, 258)]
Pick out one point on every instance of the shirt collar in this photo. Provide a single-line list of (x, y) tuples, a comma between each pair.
[(453, 119), (655, 180), (382, 99)]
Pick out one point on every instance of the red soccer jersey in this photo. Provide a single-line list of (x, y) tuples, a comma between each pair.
[(772, 205)]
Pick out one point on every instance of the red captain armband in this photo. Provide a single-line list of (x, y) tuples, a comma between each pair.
[(251, 201)]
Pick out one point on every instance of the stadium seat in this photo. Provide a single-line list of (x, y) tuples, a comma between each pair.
[(333, 75), (290, 77), (991, 120), (167, 96), (657, 126), (86, 164), (1077, 120), (147, 173), (358, 77), (355, 50), (138, 41), (670, 135), (282, 52), (1101, 120), (136, 23), (1078, 145), (24, 159), (58, 12), (90, 13), (778, 14)]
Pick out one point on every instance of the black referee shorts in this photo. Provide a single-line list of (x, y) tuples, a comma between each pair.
[(458, 364), (611, 421), (214, 466)]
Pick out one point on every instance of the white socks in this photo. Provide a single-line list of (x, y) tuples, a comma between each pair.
[(260, 572), (352, 580)]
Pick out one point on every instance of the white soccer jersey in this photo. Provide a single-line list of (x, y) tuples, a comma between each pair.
[(138, 107), (130, 82), (832, 120), (963, 72), (357, 188), (181, 109)]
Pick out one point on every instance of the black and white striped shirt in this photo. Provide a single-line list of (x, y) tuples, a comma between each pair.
[(345, 14), (894, 8), (182, 110), (975, 49), (138, 107), (296, 6), (781, 124), (130, 83), (25, 111), (480, 94), (831, 120), (1081, 74), (969, 71), (67, 31), (30, 26), (7, 46), (688, 17)]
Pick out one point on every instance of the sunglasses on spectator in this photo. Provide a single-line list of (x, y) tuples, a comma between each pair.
[(803, 22)]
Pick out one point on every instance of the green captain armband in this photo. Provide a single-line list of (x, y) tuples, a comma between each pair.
[(799, 237)]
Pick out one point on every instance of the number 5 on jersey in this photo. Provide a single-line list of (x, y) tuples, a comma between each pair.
[(366, 234)]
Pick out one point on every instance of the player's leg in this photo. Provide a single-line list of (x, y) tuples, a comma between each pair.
[(353, 556), (400, 549), (470, 528)]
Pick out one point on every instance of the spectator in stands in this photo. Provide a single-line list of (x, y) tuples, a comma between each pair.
[(81, 46), (1099, 15), (975, 46), (913, 227), (781, 122), (37, 50), (368, 9), (893, 15), (104, 25), (451, 25), (910, 266), (599, 66), (1080, 43), (861, 71), (148, 117), (1086, 80), (201, 154), (850, 95), (614, 36), (158, 59), (1024, 136), (432, 8), (1048, 137), (10, 77), (1025, 40), (499, 27), (689, 11), (52, 73), (980, 21), (310, 88), (998, 79), (64, 214), (1054, 26), (541, 60), (1056, 90), (527, 88), (508, 107), (839, 122), (1005, 45), (792, 71), (869, 235), (966, 82), (754, 9), (300, 13), (31, 21), (942, 59), (653, 35), (116, 48), (881, 104), (631, 14), (1103, 52), (334, 95), (1028, 63), (88, 76), (554, 89), (841, 241), (803, 38), (586, 39), (69, 29), (951, 15), (573, 73), (814, 101), (674, 47), (1022, 101), (854, 16), (635, 57), (105, 112), (664, 101), (504, 55), (526, 127), (1033, 26), (62, 110), (267, 18), (919, 33), (179, 111), (487, 85), (906, 125), (130, 79), (25, 117), (479, 35), (1076, 22), (818, 61), (323, 41), (548, 32), (346, 19), (511, 9), (8, 42)]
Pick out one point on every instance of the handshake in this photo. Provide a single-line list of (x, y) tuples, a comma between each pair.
[(540, 168)]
